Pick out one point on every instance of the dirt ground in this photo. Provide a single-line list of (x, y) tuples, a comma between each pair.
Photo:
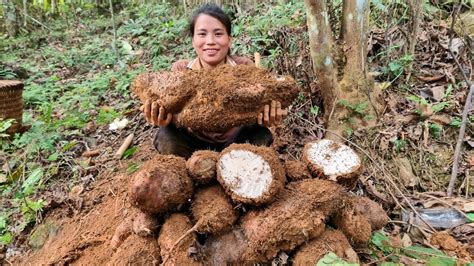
[(84, 234)]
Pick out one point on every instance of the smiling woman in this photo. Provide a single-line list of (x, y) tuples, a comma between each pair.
[(210, 29)]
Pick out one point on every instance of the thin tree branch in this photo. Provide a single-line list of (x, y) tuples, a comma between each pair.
[(467, 107), (114, 43)]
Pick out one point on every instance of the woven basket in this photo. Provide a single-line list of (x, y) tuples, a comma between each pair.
[(11, 103)]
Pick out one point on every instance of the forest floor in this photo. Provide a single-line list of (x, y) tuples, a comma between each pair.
[(77, 99)]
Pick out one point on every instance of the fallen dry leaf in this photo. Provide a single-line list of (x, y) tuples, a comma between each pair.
[(430, 78), (406, 172)]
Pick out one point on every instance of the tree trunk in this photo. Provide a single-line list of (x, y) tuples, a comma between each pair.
[(349, 98), (10, 17)]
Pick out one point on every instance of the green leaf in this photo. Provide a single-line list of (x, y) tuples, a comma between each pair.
[(127, 47), (346, 103), (314, 110), (132, 168), (32, 181), (6, 238), (3, 222), (470, 216), (129, 152), (395, 67), (440, 106), (414, 98), (361, 107), (432, 256), (332, 259), (382, 242), (5, 124), (455, 122), (69, 145), (53, 157)]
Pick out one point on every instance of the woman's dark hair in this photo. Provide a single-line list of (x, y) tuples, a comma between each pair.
[(214, 11)]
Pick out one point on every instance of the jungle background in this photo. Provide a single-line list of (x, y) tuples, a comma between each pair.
[(78, 58)]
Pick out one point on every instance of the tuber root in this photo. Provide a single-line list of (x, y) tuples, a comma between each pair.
[(250, 174), (161, 185), (202, 166), (334, 161)]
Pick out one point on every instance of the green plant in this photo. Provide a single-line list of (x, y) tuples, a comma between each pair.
[(379, 242), (435, 130), (455, 122), (399, 144), (359, 109)]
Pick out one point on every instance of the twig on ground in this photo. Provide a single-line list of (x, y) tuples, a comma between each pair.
[(410, 224), (467, 107)]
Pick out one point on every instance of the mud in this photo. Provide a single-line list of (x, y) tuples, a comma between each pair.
[(250, 174), (330, 241), (161, 185), (202, 166), (223, 97), (136, 250), (296, 170), (213, 211), (173, 228)]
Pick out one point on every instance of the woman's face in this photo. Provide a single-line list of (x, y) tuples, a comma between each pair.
[(211, 40)]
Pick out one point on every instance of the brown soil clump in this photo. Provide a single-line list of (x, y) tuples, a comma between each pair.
[(330, 241), (202, 166), (296, 170), (372, 211), (213, 211), (161, 185), (222, 97), (334, 161), (451, 246), (250, 174), (173, 228)]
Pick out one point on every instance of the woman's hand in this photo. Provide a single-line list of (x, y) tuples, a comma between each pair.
[(156, 115), (271, 115)]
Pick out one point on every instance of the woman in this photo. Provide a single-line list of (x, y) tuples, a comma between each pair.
[(210, 29)]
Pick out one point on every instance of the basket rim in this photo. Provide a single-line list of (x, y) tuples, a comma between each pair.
[(10, 85)]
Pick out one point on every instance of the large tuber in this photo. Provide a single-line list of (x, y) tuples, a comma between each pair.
[(223, 97), (161, 185), (213, 211)]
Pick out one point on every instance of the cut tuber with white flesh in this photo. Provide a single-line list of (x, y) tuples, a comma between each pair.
[(250, 174), (161, 185), (334, 161)]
